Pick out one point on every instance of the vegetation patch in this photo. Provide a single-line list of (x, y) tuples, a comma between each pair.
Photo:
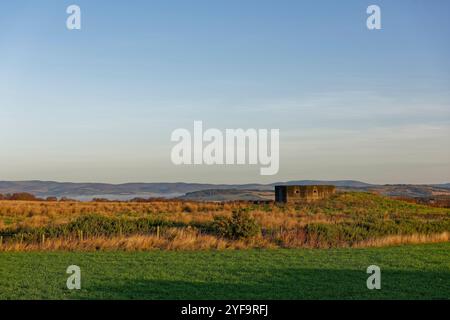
[(241, 225), (343, 220)]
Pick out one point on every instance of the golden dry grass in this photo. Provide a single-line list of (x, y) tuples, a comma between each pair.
[(396, 240), (37, 214), (171, 239), (282, 226), (195, 241)]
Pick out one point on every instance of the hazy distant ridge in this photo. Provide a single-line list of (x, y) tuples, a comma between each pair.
[(59, 189)]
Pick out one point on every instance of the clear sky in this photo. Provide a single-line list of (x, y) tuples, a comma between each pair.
[(99, 104)]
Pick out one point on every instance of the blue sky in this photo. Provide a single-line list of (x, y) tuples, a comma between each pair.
[(99, 104)]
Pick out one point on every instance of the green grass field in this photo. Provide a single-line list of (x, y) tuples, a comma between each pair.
[(408, 272)]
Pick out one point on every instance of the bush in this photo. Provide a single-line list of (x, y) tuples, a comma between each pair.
[(23, 196), (241, 225)]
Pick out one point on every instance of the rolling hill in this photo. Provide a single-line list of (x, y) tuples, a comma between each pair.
[(199, 191)]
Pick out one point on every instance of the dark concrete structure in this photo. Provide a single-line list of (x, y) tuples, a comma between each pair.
[(293, 194)]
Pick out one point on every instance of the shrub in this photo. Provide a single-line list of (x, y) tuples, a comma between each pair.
[(23, 196), (241, 225)]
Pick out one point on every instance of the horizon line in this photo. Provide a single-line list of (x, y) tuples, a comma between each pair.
[(230, 184)]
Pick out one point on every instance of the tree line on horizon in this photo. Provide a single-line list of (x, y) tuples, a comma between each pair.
[(25, 196)]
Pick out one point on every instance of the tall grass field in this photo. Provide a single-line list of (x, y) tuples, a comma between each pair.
[(344, 220)]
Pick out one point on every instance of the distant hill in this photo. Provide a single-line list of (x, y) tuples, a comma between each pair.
[(228, 195), (59, 189), (444, 185), (68, 189), (339, 183), (411, 190), (391, 191), (126, 191)]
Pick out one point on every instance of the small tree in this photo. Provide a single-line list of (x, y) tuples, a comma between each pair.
[(23, 196), (241, 225)]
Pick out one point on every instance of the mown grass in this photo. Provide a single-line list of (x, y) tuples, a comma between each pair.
[(408, 272)]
